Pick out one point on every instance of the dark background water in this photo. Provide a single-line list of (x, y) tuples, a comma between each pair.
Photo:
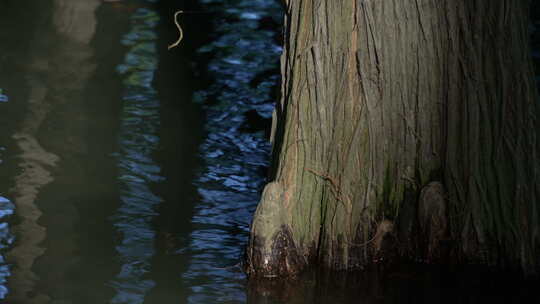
[(133, 170), (129, 173), (535, 37)]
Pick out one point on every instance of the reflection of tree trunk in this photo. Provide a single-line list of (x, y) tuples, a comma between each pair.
[(76, 19), (383, 98), (65, 66), (35, 162)]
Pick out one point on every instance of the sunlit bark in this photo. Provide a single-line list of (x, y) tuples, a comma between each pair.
[(384, 99)]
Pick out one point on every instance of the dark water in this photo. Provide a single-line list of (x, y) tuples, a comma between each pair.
[(535, 38), (129, 173), (131, 170)]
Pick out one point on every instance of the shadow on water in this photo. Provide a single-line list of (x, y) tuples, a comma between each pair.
[(404, 284)]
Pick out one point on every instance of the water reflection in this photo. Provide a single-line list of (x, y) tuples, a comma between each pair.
[(235, 157), (6, 238), (74, 24), (3, 97), (137, 170)]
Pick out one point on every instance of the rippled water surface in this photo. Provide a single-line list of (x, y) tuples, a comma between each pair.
[(132, 171), (129, 173)]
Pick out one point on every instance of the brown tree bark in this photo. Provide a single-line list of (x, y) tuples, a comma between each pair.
[(420, 115)]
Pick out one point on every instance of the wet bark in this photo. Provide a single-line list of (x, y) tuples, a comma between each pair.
[(382, 100)]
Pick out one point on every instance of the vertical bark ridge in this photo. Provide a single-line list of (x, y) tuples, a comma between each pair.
[(380, 98)]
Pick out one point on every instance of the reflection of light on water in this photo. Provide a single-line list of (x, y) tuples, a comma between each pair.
[(137, 171), (230, 184), (3, 97), (6, 209)]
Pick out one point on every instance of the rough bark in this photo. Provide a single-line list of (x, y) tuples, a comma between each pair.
[(382, 98)]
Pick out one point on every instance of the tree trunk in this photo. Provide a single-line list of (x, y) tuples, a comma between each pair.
[(401, 122)]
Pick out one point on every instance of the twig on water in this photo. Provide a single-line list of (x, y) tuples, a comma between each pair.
[(181, 33)]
